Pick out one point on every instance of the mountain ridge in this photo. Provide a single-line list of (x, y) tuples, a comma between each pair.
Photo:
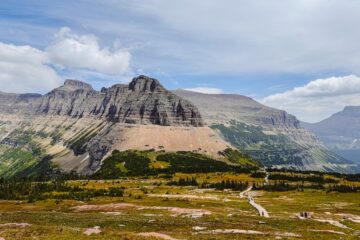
[(271, 135), (341, 132), (77, 127), (143, 101), (242, 104)]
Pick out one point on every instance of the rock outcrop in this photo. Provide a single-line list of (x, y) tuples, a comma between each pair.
[(143, 101)]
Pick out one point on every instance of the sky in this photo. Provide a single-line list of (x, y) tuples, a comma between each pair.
[(301, 55)]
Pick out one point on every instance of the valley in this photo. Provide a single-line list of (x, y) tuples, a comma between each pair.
[(138, 161)]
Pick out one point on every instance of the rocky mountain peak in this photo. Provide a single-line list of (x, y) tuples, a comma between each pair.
[(145, 84), (72, 84), (143, 101)]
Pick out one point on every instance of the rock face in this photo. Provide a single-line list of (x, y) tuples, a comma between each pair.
[(341, 132), (72, 85), (76, 126), (270, 135), (143, 101)]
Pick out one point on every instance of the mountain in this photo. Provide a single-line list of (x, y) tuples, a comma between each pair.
[(341, 132), (143, 101), (74, 127), (270, 135)]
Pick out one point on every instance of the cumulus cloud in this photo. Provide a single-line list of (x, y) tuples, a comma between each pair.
[(206, 90), (83, 51), (186, 36), (25, 69), (319, 98)]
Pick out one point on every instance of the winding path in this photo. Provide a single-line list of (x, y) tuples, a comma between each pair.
[(262, 211), (244, 193)]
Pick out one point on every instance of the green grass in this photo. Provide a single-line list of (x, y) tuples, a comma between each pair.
[(14, 161), (237, 157), (267, 148), (52, 219), (120, 164), (140, 163), (26, 159)]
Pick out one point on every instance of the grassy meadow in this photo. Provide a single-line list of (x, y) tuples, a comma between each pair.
[(181, 206)]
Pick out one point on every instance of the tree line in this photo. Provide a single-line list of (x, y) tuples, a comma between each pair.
[(220, 185), (58, 189)]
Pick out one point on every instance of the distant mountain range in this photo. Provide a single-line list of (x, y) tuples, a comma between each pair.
[(341, 132), (74, 128), (270, 135)]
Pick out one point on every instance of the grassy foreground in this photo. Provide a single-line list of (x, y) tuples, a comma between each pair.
[(185, 206)]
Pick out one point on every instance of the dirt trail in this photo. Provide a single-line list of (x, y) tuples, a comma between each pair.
[(266, 179), (243, 193), (262, 211)]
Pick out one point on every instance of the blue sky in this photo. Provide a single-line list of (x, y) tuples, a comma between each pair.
[(274, 51)]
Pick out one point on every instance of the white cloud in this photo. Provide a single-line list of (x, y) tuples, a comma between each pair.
[(24, 69), (83, 51), (28, 69), (206, 90), (319, 98), (187, 36)]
